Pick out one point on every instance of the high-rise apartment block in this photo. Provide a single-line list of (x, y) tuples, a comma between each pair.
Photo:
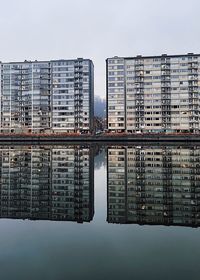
[(153, 93), (47, 96)]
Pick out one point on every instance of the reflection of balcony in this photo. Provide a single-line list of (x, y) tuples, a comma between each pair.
[(163, 191), (32, 189)]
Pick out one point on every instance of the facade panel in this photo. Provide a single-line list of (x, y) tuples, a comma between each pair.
[(153, 94), (51, 96)]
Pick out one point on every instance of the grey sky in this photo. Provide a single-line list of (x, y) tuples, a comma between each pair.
[(97, 29)]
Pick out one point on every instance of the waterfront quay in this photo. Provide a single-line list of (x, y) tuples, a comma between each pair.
[(104, 137)]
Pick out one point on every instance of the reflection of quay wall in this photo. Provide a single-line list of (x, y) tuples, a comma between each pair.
[(53, 183), (158, 185)]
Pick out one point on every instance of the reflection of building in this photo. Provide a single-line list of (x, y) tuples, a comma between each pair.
[(153, 93), (47, 96), (72, 183), (52, 183), (154, 185)]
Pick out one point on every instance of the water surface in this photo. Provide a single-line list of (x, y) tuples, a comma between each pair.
[(92, 212)]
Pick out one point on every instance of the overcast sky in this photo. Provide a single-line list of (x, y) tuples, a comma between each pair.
[(97, 29)]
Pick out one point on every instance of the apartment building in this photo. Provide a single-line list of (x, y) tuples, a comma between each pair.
[(156, 185), (153, 93), (47, 183), (47, 96)]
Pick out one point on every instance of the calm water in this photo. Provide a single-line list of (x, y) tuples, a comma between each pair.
[(92, 212)]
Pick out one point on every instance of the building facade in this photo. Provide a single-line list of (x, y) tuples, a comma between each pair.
[(47, 96), (154, 185), (153, 93)]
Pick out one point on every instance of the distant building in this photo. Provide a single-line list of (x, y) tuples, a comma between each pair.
[(153, 93), (47, 96), (154, 185)]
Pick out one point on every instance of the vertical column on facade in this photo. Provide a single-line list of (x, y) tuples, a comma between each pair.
[(1, 119), (83, 187), (5, 182), (139, 100), (32, 95), (2, 192), (21, 107), (10, 103), (116, 95), (27, 201), (166, 93), (34, 189), (129, 84), (167, 185), (131, 191), (78, 95), (193, 94), (181, 186), (194, 175), (19, 205), (154, 186), (78, 185), (151, 208), (45, 95), (25, 90), (90, 121), (62, 191), (140, 196), (44, 183), (35, 97), (10, 185), (89, 184), (15, 97), (116, 187)]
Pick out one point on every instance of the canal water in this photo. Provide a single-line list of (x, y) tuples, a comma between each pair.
[(100, 212)]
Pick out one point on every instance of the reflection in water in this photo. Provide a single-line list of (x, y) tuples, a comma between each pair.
[(146, 185), (154, 185), (49, 182)]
